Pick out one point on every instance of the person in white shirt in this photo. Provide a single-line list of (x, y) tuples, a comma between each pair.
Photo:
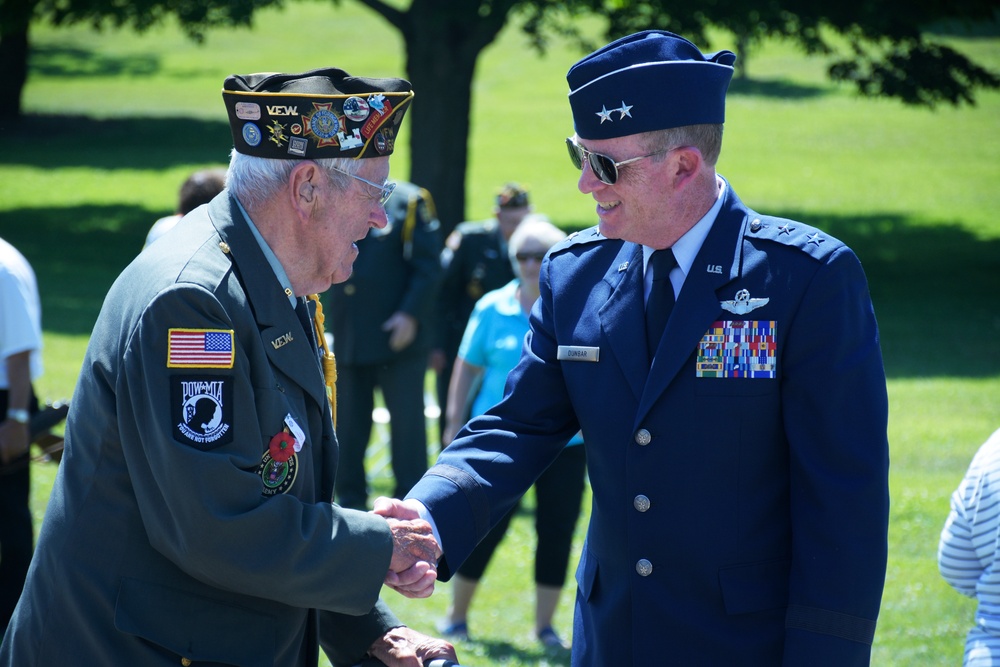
[(20, 365), (968, 550)]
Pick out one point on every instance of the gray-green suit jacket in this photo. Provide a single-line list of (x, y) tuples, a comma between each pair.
[(170, 533)]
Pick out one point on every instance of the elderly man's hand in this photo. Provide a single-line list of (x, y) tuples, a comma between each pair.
[(413, 569), (404, 647)]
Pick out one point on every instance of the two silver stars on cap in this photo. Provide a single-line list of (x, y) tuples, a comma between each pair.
[(605, 114)]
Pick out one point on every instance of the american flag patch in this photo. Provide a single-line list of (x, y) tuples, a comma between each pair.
[(200, 348), (738, 349)]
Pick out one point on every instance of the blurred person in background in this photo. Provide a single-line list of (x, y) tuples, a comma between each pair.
[(490, 348), (969, 548), (197, 189), (475, 261), (381, 336), (20, 366)]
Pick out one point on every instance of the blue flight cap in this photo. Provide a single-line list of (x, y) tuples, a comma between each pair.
[(652, 80)]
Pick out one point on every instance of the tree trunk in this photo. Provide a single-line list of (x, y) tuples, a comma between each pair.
[(443, 41), (15, 18)]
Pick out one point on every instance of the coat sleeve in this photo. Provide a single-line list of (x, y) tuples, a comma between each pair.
[(201, 504), (957, 560), (835, 411), (968, 546), (346, 639)]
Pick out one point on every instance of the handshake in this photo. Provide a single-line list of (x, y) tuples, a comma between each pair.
[(415, 551)]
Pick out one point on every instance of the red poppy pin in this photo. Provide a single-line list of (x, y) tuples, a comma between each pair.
[(282, 447)]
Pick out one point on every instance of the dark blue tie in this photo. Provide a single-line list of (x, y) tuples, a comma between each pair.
[(661, 297)]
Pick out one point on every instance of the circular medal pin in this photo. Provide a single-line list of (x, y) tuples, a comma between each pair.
[(279, 465)]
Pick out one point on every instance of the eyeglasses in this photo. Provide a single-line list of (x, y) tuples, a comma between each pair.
[(525, 256), (604, 167), (385, 190)]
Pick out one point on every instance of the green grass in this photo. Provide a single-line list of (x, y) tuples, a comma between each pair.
[(116, 121)]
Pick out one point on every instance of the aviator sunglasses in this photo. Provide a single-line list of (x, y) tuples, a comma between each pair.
[(385, 190), (603, 166)]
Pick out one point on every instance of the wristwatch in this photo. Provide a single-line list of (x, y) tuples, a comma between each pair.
[(19, 416)]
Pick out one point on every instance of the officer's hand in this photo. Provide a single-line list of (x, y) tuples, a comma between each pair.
[(416, 582)]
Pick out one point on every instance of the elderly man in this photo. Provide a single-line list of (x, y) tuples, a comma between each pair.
[(191, 521), (725, 369)]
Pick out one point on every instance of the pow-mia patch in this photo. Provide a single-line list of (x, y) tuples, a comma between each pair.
[(202, 406), (277, 477)]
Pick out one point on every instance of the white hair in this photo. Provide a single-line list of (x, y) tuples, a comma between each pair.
[(255, 180), (533, 226)]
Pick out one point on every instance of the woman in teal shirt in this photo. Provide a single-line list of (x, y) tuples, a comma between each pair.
[(490, 348)]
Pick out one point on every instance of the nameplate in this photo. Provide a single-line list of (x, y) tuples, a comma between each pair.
[(578, 353)]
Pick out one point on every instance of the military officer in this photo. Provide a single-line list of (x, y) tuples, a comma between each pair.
[(725, 369), (191, 521)]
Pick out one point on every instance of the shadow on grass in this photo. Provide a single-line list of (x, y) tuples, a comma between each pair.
[(69, 62), (936, 290), (775, 88), (503, 652), (52, 142), (76, 252)]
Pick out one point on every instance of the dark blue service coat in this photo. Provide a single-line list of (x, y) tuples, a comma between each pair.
[(740, 491)]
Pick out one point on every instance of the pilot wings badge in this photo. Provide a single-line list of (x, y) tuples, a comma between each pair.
[(743, 304)]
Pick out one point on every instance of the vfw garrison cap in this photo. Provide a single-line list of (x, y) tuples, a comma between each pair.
[(652, 80), (323, 113)]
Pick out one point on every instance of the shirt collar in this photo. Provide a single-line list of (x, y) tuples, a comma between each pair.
[(272, 259), (686, 247)]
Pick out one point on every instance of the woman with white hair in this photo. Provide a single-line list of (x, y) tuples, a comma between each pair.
[(490, 348)]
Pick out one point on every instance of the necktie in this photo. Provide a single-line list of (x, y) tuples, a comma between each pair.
[(661, 297)]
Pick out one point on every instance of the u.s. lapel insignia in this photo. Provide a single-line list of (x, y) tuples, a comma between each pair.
[(743, 304)]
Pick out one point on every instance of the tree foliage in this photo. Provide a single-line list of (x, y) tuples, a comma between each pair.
[(889, 48), (883, 47), (194, 16)]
